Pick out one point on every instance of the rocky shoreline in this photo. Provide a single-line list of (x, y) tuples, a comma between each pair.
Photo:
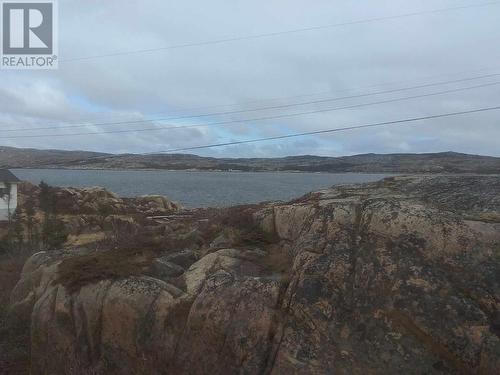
[(397, 276)]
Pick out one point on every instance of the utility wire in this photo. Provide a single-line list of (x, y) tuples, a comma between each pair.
[(408, 120), (82, 122), (277, 33), (256, 119), (283, 106)]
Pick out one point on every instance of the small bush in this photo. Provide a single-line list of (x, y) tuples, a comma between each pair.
[(81, 270), (54, 233)]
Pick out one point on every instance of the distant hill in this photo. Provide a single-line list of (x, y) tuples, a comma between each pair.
[(444, 162)]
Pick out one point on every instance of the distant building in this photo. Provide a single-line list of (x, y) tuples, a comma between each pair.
[(8, 193)]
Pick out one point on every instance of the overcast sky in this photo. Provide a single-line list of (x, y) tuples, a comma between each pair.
[(248, 74)]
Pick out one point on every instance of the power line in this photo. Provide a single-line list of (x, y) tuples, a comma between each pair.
[(86, 122), (277, 33), (258, 118), (256, 109), (408, 120)]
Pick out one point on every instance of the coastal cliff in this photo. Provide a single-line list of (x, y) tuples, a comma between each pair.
[(397, 276)]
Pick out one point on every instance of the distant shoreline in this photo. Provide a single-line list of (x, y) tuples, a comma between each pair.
[(388, 173), (206, 170), (431, 163)]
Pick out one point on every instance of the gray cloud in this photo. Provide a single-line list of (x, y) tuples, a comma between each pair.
[(333, 62)]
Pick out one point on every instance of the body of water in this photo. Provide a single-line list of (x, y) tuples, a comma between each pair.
[(198, 189)]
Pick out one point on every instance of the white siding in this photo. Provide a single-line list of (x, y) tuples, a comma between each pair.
[(8, 202)]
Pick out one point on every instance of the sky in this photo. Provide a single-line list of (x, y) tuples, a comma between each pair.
[(360, 59)]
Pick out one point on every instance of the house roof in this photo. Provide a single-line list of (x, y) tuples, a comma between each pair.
[(8, 176)]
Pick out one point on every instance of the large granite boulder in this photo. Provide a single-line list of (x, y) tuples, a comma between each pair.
[(399, 276)]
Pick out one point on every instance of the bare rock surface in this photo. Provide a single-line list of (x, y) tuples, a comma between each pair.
[(399, 276)]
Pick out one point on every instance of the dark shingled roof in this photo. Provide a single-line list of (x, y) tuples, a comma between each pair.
[(8, 176)]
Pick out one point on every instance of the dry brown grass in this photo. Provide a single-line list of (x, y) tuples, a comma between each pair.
[(81, 270), (10, 271), (84, 239), (129, 251), (14, 339), (131, 248), (241, 219)]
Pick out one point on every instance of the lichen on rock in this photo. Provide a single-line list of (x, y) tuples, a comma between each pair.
[(398, 276)]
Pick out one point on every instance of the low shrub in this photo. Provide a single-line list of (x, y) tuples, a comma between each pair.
[(80, 270)]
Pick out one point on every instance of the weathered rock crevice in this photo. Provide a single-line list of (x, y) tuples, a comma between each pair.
[(389, 277)]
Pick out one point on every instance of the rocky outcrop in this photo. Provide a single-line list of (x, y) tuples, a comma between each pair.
[(84, 215), (96, 201), (394, 276), (400, 276)]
